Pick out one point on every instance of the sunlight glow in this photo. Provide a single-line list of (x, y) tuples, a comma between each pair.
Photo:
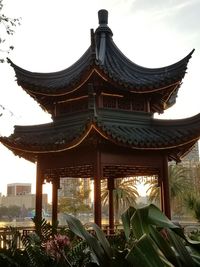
[(142, 188)]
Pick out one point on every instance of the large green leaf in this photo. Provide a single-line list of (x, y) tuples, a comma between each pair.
[(145, 254), (158, 218), (139, 222), (194, 250), (180, 247), (140, 219), (196, 259), (98, 252), (164, 246), (126, 219), (120, 259), (102, 239)]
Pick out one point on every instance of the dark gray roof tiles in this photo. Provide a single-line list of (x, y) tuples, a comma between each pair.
[(139, 132), (104, 56), (48, 82)]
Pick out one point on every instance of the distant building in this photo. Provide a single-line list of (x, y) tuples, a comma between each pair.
[(191, 159), (19, 194), (193, 155), (16, 189), (69, 187), (27, 201)]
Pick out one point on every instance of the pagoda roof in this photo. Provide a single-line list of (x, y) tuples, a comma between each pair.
[(104, 59), (139, 132)]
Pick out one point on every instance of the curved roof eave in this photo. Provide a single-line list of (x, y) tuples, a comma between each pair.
[(77, 142), (115, 67), (130, 76), (139, 79), (53, 83), (151, 136)]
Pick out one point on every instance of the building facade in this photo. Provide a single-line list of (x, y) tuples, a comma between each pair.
[(19, 194), (16, 189)]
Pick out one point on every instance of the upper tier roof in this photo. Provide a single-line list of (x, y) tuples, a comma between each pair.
[(103, 58)]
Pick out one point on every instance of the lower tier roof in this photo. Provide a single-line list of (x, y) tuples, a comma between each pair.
[(135, 131)]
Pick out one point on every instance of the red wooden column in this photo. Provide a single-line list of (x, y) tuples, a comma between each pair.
[(165, 189), (160, 184), (97, 190), (55, 187), (111, 187), (39, 183)]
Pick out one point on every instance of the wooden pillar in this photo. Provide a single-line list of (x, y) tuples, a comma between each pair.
[(160, 184), (111, 187), (55, 187), (165, 189), (97, 190), (39, 183)]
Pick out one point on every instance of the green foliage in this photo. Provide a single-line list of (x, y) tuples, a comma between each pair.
[(197, 209), (151, 240), (48, 246), (79, 254), (148, 239), (153, 190), (194, 235), (10, 212), (179, 185), (35, 241), (193, 202), (77, 201), (178, 179), (190, 200), (124, 194), (43, 229)]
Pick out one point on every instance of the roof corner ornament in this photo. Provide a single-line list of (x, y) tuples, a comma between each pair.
[(102, 30), (103, 17), (93, 43)]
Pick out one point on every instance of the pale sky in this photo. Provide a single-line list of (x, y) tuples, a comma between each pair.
[(54, 34)]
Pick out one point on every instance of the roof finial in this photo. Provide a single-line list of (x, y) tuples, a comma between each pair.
[(103, 17)]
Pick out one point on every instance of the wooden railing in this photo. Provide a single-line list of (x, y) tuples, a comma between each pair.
[(8, 234)]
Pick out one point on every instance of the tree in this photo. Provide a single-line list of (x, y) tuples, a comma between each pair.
[(153, 191), (9, 212), (178, 180), (76, 199), (7, 26), (3, 212), (124, 194), (179, 185), (192, 199)]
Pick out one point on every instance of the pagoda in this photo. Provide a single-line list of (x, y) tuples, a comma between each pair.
[(103, 124)]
